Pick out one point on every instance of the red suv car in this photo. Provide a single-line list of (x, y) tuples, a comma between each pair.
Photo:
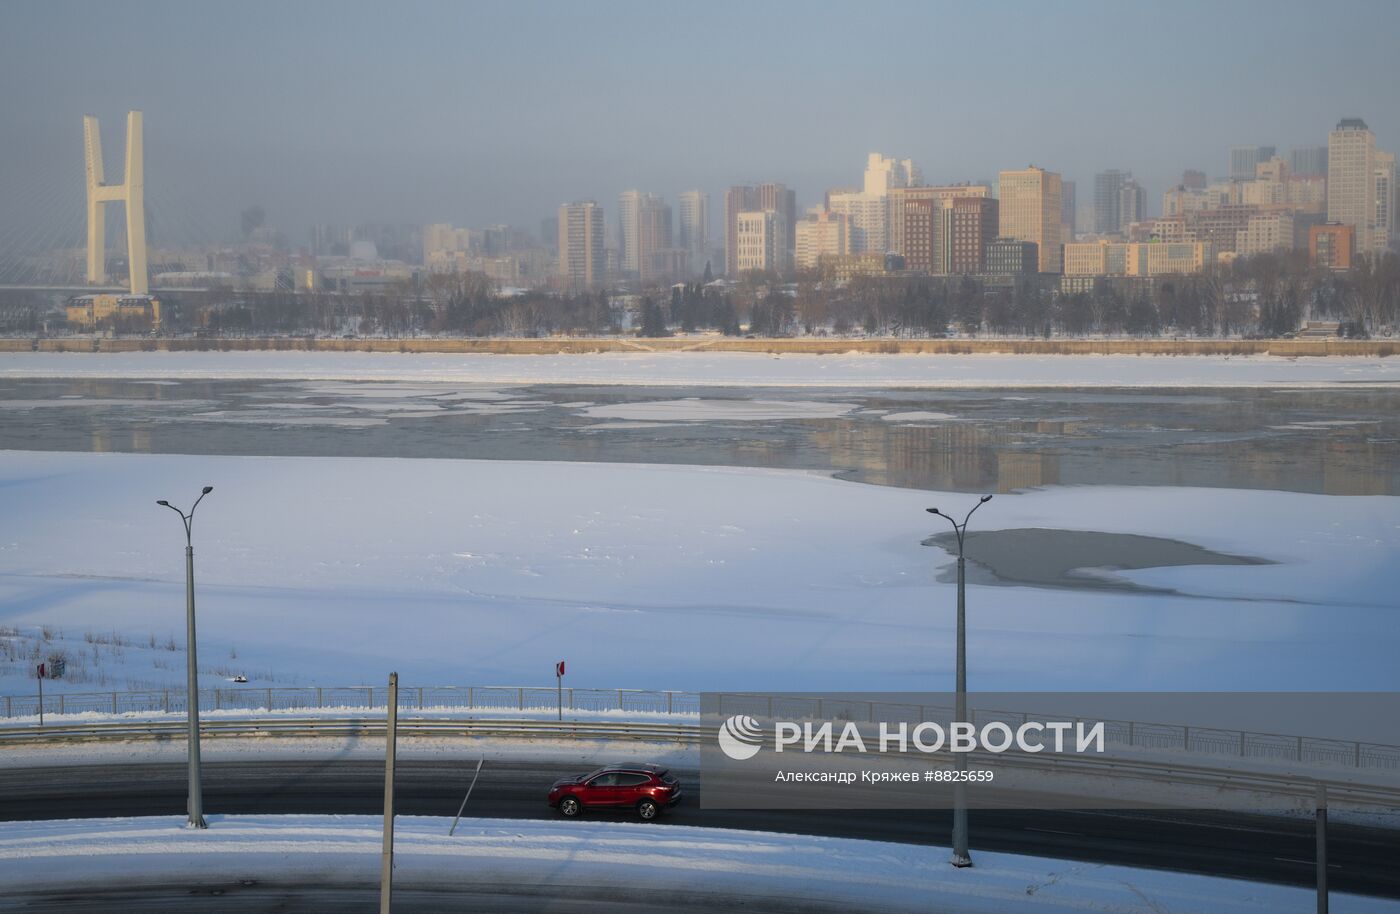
[(647, 789)]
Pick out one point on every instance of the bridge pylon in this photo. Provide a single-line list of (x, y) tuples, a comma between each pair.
[(131, 193)]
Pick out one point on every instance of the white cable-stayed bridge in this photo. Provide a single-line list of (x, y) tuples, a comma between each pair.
[(61, 235)]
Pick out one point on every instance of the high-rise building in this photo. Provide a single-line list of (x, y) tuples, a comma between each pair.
[(1068, 206), (1308, 161), (629, 204), (899, 221), (921, 231), (1383, 234), (869, 216), (1352, 166), (549, 232), (1192, 179), (1132, 204), (582, 254), (694, 235), (824, 234), (740, 198), (1243, 159), (743, 198), (653, 240), (872, 221), (1108, 200), (883, 175), (644, 227), (1030, 211), (782, 200), (762, 242), (445, 247), (972, 225)]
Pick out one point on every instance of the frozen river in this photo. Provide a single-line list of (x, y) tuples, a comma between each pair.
[(1183, 536), (1332, 440)]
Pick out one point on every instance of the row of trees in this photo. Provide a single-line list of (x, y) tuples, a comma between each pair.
[(1265, 295)]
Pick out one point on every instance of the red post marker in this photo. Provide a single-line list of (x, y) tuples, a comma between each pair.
[(559, 685), (41, 694)]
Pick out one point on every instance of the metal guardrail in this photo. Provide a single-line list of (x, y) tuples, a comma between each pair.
[(1134, 734), (350, 726), (422, 698)]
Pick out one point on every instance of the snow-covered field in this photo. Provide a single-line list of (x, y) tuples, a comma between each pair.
[(335, 571), (731, 369), (636, 858)]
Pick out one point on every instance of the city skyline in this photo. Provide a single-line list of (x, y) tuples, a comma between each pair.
[(455, 125)]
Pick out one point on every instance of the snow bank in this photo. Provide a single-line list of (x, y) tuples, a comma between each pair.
[(723, 369), (765, 869)]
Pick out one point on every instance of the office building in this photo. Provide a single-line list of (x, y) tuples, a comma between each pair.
[(898, 220), (1068, 210), (1030, 211), (1111, 258), (972, 225), (1132, 204), (1012, 257), (1308, 161), (1352, 167), (921, 219), (1108, 201)]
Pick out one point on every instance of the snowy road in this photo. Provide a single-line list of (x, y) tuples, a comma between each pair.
[(1266, 849)]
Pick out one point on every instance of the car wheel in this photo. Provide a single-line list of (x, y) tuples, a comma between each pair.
[(570, 807), (648, 809)]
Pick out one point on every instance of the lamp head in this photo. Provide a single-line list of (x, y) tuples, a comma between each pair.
[(163, 502), (985, 498), (933, 510), (208, 489)]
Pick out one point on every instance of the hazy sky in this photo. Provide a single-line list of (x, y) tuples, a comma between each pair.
[(477, 113)]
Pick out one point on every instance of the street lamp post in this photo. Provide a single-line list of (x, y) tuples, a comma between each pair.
[(195, 804), (961, 857)]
